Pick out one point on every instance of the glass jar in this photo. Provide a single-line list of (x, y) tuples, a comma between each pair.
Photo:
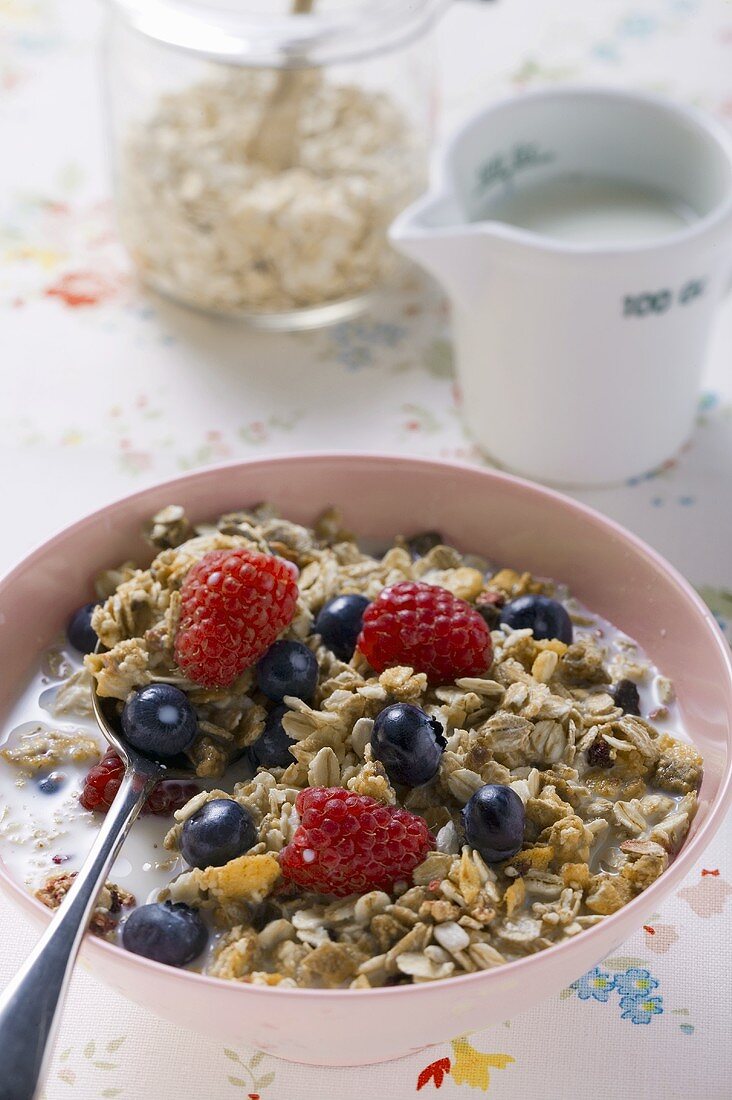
[(261, 150)]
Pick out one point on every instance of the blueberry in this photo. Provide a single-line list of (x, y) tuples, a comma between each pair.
[(408, 743), (52, 783), (272, 748), (288, 668), (221, 830), (79, 629), (159, 720), (625, 694), (167, 933), (546, 617), (339, 624), (493, 821)]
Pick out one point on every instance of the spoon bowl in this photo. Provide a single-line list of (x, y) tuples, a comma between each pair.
[(174, 767)]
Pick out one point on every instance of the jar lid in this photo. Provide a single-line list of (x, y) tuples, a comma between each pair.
[(266, 34)]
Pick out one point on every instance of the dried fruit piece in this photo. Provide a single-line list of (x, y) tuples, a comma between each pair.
[(599, 754), (625, 695)]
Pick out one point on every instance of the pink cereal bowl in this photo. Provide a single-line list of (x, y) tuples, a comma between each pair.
[(508, 520)]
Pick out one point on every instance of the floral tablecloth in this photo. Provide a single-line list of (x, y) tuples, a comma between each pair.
[(103, 389)]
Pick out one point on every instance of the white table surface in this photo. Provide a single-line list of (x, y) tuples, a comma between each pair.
[(98, 399)]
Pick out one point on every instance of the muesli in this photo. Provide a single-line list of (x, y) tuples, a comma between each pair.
[(410, 765)]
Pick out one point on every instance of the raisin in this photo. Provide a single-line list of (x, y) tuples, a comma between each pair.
[(489, 604), (625, 694), (263, 914), (599, 755), (476, 757), (421, 544)]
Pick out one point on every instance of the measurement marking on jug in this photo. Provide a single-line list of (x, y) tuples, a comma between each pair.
[(659, 301), (502, 167)]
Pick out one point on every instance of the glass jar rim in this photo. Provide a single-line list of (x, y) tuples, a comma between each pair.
[(220, 32)]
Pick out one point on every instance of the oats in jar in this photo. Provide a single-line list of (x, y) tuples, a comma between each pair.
[(207, 221)]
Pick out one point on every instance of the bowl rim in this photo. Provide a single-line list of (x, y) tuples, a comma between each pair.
[(690, 851)]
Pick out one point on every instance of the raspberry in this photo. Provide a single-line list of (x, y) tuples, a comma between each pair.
[(349, 844), (427, 628), (170, 795), (234, 605), (102, 784)]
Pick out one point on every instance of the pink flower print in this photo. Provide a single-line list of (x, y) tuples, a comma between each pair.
[(709, 897), (660, 938), (10, 79), (257, 431), (132, 460)]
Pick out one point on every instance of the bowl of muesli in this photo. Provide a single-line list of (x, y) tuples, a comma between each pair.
[(451, 736)]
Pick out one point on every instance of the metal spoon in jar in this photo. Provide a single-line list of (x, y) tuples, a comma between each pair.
[(29, 1006), (274, 142)]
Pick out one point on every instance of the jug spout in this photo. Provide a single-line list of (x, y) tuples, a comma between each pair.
[(433, 233)]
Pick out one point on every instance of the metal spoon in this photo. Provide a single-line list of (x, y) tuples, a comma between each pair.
[(29, 1006), (274, 141)]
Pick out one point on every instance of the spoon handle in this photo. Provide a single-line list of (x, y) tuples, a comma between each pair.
[(29, 1006)]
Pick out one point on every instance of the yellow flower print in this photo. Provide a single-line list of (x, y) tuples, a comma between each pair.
[(471, 1067), (46, 258)]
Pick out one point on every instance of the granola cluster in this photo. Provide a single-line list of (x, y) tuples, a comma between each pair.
[(110, 905), (608, 797), (38, 749)]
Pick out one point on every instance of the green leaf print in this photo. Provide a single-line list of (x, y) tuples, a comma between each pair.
[(623, 962), (719, 601), (438, 359)]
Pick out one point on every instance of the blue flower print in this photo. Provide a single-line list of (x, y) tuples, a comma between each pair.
[(639, 1010), (606, 51), (635, 983), (596, 984), (354, 342), (638, 26), (634, 987)]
